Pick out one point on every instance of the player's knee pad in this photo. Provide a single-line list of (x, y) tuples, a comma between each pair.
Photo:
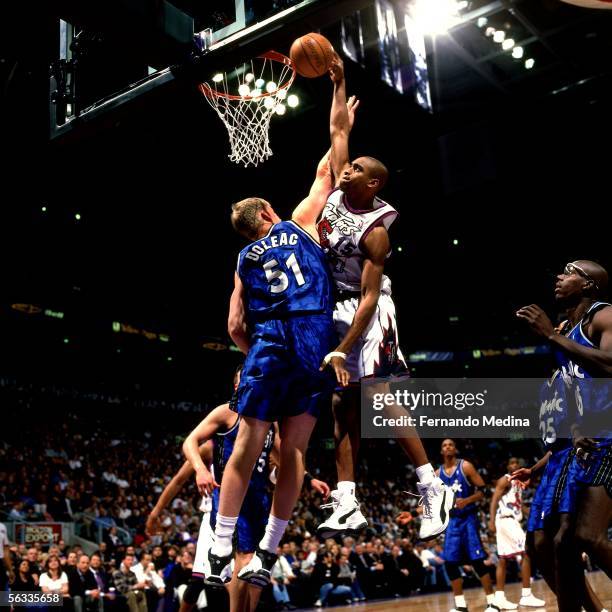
[(480, 568), (452, 569), (193, 590)]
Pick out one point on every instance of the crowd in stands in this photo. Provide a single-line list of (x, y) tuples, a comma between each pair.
[(106, 474)]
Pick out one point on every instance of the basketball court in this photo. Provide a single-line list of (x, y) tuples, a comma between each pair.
[(444, 602)]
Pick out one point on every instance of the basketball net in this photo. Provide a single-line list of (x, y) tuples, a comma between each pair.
[(246, 100)]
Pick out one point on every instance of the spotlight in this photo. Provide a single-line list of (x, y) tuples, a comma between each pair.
[(249, 77), (436, 16), (529, 63), (269, 103), (508, 44), (281, 94), (280, 109), (489, 32), (271, 86), (77, 217), (293, 101), (217, 78), (259, 83), (482, 22), (518, 52), (244, 90), (499, 36)]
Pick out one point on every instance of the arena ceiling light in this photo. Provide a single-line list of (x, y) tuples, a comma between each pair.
[(435, 17), (508, 44), (529, 63), (518, 52), (499, 36), (293, 101)]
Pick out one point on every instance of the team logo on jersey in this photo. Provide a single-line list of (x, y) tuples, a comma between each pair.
[(324, 229), (344, 223)]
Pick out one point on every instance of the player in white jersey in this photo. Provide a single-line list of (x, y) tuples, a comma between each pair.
[(6, 563), (353, 230), (506, 512)]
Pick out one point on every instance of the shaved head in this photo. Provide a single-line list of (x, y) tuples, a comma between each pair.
[(596, 272), (376, 170)]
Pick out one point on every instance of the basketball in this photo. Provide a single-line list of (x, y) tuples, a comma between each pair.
[(312, 55)]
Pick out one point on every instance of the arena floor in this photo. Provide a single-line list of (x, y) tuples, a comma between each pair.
[(443, 602)]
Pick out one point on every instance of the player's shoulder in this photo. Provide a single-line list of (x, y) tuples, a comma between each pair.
[(602, 317)]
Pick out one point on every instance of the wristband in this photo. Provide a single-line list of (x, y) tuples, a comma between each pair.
[(329, 356)]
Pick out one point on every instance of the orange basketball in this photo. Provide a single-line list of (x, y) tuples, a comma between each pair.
[(312, 55)]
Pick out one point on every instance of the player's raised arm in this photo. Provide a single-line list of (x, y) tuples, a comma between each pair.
[(339, 121), (236, 321), (173, 488), (308, 211)]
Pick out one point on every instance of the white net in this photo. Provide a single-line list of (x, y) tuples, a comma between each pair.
[(246, 99)]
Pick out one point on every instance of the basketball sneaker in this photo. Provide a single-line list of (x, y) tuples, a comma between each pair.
[(492, 608), (437, 501), (532, 601), (220, 571), (503, 604), (460, 609), (259, 569), (346, 516)]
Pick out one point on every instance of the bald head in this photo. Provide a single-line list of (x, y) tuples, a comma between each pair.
[(376, 170), (596, 272)]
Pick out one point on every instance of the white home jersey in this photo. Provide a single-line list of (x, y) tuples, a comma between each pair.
[(511, 504), (342, 230)]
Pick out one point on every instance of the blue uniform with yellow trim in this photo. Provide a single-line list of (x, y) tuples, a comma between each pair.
[(462, 537), (289, 304), (566, 399), (254, 512)]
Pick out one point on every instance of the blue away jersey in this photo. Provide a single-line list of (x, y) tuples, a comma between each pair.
[(284, 273)]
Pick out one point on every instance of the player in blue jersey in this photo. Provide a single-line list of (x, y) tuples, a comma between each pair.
[(208, 448), (573, 504), (281, 317), (462, 538)]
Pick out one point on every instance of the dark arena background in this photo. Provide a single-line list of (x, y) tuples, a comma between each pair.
[(118, 259)]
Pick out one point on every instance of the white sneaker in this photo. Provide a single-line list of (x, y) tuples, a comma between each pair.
[(493, 607), (258, 571), (346, 516), (318, 604), (503, 604), (437, 500), (532, 601), (459, 610)]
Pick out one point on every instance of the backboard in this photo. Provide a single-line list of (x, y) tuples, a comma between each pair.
[(196, 39)]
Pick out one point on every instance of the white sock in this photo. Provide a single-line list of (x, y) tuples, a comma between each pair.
[(425, 473), (346, 486), (274, 532), (499, 595), (460, 601), (224, 532), (526, 592), (491, 598)]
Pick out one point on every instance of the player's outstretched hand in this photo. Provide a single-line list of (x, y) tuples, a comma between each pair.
[(522, 475), (336, 69), (352, 104), (538, 320), (153, 525), (321, 487), (206, 482)]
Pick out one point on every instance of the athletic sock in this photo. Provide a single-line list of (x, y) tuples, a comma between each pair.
[(224, 532), (274, 532), (346, 487), (460, 601), (490, 599), (526, 592)]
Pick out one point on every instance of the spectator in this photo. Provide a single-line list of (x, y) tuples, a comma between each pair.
[(282, 575), (23, 579), (17, 514), (154, 584), (54, 579), (326, 575), (103, 580), (180, 574), (84, 591), (128, 586), (32, 559)]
